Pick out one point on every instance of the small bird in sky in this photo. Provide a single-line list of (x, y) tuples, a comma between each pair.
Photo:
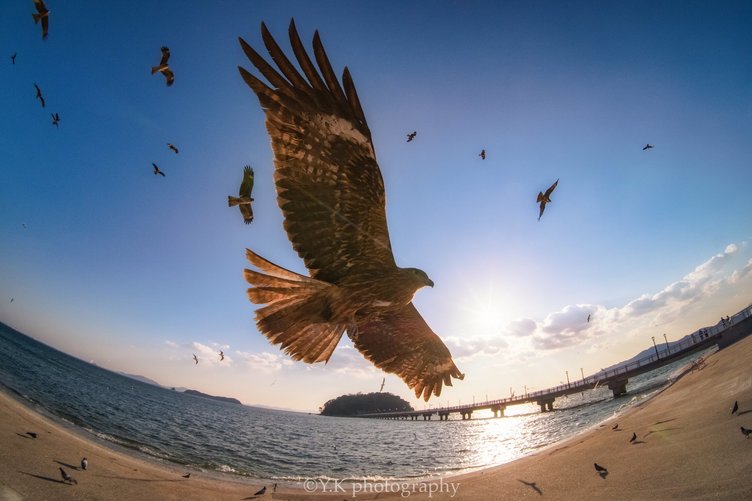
[(11, 299), (647, 147), (195, 358), (746, 431), (736, 407), (544, 198), (172, 147), (157, 171), (601, 470), (633, 439), (482, 154), (29, 433), (221, 355), (42, 14), (588, 318), (383, 380), (412, 135), (164, 68), (39, 94), (244, 198), (261, 491), (55, 119), (84, 464), (615, 426), (67, 477), (13, 58)]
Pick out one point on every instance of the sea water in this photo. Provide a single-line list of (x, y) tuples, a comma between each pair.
[(212, 436)]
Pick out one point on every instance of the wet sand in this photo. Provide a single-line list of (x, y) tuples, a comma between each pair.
[(689, 446)]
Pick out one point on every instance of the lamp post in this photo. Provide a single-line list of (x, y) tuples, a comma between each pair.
[(665, 339), (654, 346), (567, 378), (582, 373)]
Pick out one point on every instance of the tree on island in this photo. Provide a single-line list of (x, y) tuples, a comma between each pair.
[(352, 405)]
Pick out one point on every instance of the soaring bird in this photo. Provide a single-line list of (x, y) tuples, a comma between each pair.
[(55, 119), (164, 68), (244, 198), (172, 147), (647, 147), (84, 464), (221, 355), (588, 318), (331, 192), (195, 358), (157, 171), (412, 135), (67, 477), (261, 491), (736, 407), (13, 58), (42, 14), (544, 198), (39, 94), (482, 154), (383, 380)]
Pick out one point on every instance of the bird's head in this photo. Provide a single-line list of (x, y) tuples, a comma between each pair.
[(418, 277)]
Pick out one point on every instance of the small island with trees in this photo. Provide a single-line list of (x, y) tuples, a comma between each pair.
[(352, 405)]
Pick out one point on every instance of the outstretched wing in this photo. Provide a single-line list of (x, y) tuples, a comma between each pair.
[(247, 212), (246, 186), (551, 189), (329, 185), (402, 343), (165, 56)]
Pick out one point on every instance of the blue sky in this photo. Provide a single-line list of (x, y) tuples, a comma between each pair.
[(138, 272)]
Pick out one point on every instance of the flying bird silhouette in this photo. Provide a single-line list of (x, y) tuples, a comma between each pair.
[(42, 14), (67, 477), (244, 198), (13, 58), (633, 439), (588, 318), (412, 135), (383, 380), (601, 470), (172, 147), (164, 68), (482, 154), (261, 491), (647, 147), (331, 193), (736, 407), (30, 433), (195, 358), (39, 94), (55, 119), (157, 171), (544, 198), (221, 355)]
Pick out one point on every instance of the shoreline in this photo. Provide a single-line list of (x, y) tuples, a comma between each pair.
[(689, 447)]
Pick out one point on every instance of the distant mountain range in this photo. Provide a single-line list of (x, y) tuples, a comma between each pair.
[(221, 399), (143, 379), (146, 380)]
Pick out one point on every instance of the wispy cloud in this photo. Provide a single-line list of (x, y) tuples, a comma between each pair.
[(265, 361), (210, 354)]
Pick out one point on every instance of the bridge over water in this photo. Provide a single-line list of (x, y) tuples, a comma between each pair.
[(616, 379)]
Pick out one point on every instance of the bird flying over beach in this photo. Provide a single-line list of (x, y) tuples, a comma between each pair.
[(244, 198), (55, 119), (42, 14), (172, 147), (601, 470), (412, 135), (735, 408), (157, 171), (633, 439), (164, 68), (221, 355), (647, 147), (261, 491), (39, 94), (32, 434), (482, 154), (13, 58), (544, 198), (331, 192), (84, 464), (383, 380), (746, 431), (67, 477), (195, 358)]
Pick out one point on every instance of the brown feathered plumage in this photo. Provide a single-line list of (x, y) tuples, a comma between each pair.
[(331, 193)]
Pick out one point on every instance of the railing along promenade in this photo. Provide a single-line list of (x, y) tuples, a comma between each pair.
[(615, 379)]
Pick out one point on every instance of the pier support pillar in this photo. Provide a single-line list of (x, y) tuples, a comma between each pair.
[(467, 414), (498, 409), (618, 387), (546, 405), (426, 417), (443, 416)]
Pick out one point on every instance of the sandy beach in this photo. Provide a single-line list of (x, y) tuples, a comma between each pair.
[(689, 446)]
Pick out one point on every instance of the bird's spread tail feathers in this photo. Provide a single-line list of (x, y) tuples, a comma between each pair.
[(297, 315), (155, 69), (232, 201)]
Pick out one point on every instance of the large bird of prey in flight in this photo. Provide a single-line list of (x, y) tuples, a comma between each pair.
[(331, 193), (244, 198), (544, 198), (39, 94), (164, 68), (42, 14)]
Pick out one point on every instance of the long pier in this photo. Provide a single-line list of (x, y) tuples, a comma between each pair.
[(616, 379)]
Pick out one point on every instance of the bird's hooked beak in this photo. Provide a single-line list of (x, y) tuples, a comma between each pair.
[(429, 282)]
